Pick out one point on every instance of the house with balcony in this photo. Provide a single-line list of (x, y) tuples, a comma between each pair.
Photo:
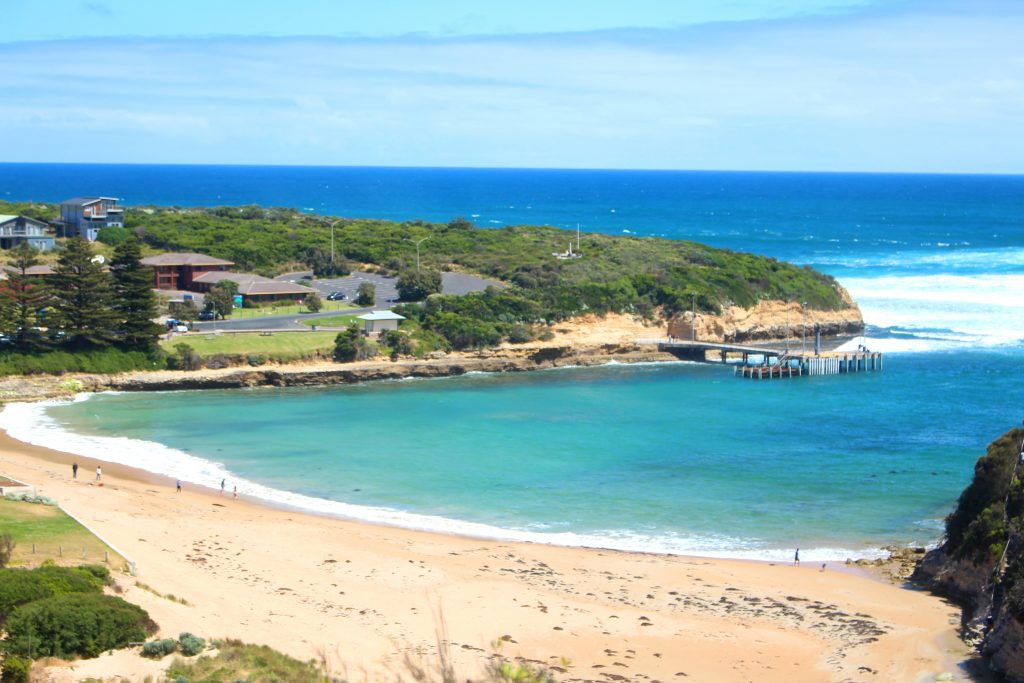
[(179, 271), (86, 216), (15, 230)]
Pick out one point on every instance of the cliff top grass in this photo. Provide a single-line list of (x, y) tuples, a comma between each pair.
[(279, 346), (615, 272), (56, 536)]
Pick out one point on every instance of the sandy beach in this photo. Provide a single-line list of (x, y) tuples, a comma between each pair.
[(364, 597)]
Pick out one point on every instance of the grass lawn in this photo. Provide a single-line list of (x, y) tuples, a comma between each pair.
[(277, 345), (56, 536), (297, 309), (332, 321)]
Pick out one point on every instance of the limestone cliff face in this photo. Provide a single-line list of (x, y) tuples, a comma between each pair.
[(980, 563), (770, 320)]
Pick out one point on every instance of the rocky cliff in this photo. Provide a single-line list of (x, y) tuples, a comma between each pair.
[(770, 320), (980, 563)]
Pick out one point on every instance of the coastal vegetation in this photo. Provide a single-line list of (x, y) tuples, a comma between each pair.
[(84, 308), (238, 661), (83, 317), (980, 562)]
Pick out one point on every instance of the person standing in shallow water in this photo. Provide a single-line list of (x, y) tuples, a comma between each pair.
[(796, 557), (222, 482)]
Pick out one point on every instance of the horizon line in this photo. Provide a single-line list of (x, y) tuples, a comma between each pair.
[(428, 167)]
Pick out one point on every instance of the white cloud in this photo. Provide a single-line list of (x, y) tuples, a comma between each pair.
[(897, 91)]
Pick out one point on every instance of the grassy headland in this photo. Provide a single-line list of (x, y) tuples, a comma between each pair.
[(615, 272), (648, 277)]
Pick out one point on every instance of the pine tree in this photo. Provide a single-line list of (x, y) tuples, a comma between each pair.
[(23, 295), (134, 298), (82, 297)]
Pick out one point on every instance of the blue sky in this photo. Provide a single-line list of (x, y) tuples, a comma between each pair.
[(928, 86)]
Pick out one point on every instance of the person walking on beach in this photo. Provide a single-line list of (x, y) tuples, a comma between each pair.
[(796, 557), (99, 473), (222, 482), (74, 470), (177, 484), (235, 493)]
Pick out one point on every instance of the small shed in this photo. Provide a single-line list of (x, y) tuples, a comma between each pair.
[(376, 322)]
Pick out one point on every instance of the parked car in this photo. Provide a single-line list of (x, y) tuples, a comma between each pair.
[(337, 296), (207, 315), (181, 328)]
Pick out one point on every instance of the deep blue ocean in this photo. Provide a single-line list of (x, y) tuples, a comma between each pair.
[(674, 458)]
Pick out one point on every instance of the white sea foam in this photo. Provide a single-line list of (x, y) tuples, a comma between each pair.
[(30, 422), (932, 312)]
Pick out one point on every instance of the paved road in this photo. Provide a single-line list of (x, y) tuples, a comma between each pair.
[(387, 295)]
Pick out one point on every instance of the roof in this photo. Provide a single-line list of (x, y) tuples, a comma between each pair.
[(250, 284), (381, 315), (32, 270), (174, 259), (82, 201), (7, 218)]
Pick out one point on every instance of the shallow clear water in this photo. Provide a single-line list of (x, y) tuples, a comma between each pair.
[(666, 458)]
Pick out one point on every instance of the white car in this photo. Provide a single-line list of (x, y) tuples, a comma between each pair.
[(181, 328)]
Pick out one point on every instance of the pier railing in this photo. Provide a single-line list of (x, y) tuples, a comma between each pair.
[(772, 363)]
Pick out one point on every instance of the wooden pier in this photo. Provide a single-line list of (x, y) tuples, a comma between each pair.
[(757, 362)]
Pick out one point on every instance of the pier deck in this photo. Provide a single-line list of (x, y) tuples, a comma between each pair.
[(771, 362)]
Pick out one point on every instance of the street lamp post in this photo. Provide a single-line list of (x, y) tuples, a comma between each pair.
[(418, 243), (332, 244)]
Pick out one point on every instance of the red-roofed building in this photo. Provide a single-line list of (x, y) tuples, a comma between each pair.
[(179, 271)]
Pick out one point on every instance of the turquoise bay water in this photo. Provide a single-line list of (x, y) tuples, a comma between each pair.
[(665, 458), (676, 457)]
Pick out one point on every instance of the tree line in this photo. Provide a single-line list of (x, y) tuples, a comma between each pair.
[(83, 305)]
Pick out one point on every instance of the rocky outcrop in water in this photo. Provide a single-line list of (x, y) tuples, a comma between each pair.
[(980, 563)]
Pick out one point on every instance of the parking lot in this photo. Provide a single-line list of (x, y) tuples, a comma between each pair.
[(452, 283)]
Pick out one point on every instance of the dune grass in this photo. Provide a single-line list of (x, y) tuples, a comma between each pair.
[(56, 536), (277, 345), (237, 661)]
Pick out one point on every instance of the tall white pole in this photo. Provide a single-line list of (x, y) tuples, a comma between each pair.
[(332, 246)]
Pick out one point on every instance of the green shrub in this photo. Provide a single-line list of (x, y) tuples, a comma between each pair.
[(191, 645), (184, 358), (236, 661), (22, 586), (97, 570), (256, 359), (158, 649), (520, 334), (76, 624), (352, 345), (16, 669), (105, 361), (6, 549)]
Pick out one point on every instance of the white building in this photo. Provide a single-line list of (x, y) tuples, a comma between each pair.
[(376, 322)]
